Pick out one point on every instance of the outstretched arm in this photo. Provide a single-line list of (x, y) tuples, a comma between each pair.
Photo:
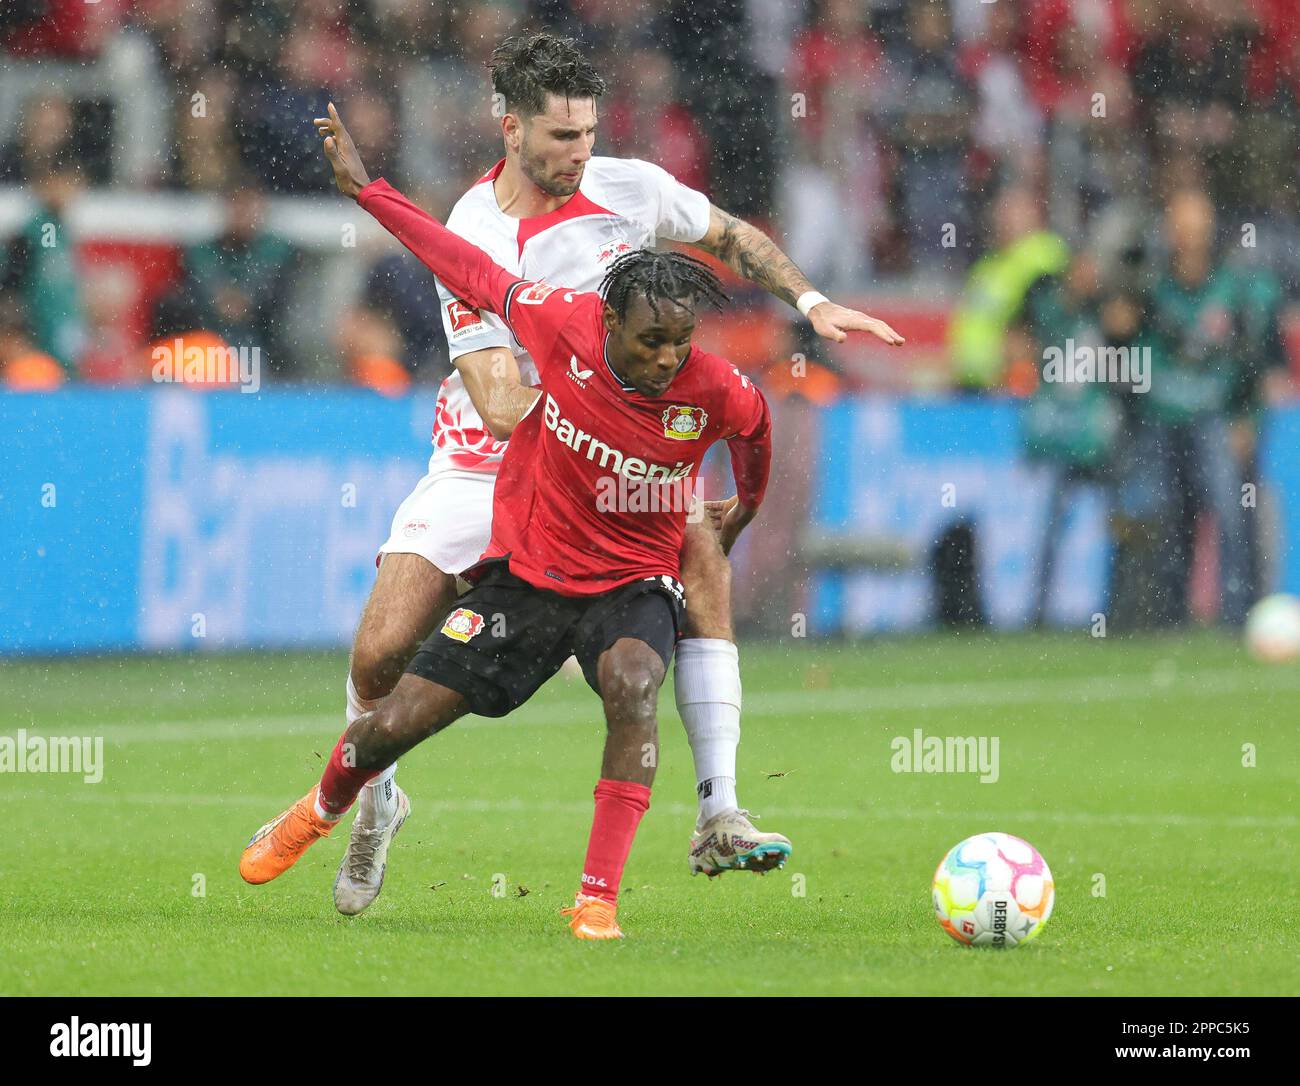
[(464, 269), (491, 376), (750, 253)]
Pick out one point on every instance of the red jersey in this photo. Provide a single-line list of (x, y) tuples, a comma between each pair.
[(595, 484)]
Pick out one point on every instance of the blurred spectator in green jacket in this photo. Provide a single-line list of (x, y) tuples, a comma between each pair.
[(237, 281), (1261, 377), (1069, 427), (1178, 456), (40, 267)]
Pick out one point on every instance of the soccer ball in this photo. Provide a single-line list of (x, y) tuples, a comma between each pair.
[(993, 890), (1273, 629)]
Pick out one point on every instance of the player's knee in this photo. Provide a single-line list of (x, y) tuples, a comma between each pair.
[(395, 726), (379, 733), (633, 686), (368, 679), (377, 664), (629, 681)]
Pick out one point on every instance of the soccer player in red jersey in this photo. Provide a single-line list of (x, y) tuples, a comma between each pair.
[(587, 528), (553, 209)]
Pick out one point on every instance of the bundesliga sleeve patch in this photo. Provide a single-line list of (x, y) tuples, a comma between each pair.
[(534, 293), (463, 318), (685, 423), (462, 624)]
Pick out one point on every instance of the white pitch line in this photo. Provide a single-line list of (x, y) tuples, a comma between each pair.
[(793, 704), (774, 811)]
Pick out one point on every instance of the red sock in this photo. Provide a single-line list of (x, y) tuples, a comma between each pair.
[(619, 807), (341, 782)]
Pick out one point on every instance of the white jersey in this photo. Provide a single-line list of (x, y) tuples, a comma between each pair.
[(621, 204)]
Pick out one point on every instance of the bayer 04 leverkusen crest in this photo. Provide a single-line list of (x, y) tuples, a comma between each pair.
[(684, 423), (462, 624)]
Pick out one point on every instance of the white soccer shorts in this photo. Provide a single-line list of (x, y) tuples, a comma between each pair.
[(446, 519)]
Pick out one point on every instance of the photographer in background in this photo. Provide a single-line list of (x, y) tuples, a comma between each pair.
[(1177, 460), (1069, 427), (1261, 378)]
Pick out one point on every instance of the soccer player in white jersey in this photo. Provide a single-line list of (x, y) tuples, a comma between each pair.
[(550, 210)]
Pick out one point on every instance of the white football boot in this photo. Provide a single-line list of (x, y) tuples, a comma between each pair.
[(361, 874), (730, 842)]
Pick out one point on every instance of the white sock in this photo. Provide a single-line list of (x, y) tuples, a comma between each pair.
[(707, 681), (715, 795), (378, 800), (377, 805)]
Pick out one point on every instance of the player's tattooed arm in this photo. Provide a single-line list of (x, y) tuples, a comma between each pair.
[(751, 254), (499, 395)]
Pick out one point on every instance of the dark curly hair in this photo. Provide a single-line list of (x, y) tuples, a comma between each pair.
[(526, 69), (660, 276)]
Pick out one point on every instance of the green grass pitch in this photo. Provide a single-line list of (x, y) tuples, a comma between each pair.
[(1121, 760)]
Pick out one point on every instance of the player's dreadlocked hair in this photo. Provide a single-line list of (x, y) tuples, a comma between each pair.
[(660, 276), (525, 69)]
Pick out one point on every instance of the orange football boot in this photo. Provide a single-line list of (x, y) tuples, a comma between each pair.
[(277, 846), (593, 918)]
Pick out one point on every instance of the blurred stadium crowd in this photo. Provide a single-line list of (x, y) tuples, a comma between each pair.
[(995, 177), (875, 137)]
